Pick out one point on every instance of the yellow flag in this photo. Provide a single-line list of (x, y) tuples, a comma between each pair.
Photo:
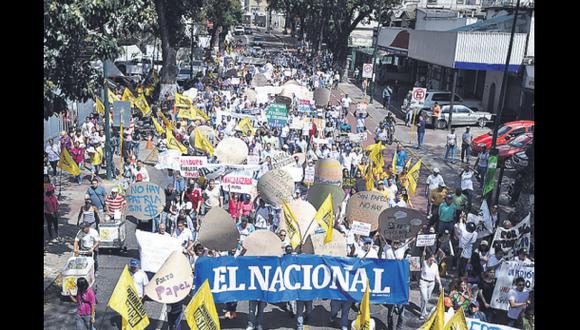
[(291, 226), (408, 164), (187, 113), (369, 179), (157, 126), (201, 313), (200, 113), (457, 321), (202, 143), (166, 122), (67, 163), (363, 320), (126, 301), (100, 108), (437, 318), (112, 96), (324, 217), (182, 101), (245, 125), (141, 104), (376, 155), (172, 142), (394, 164), (413, 177), (128, 96)]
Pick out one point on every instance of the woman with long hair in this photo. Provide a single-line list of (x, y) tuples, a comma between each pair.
[(85, 298)]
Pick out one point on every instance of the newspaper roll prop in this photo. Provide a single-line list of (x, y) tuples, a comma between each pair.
[(218, 230), (318, 193), (321, 97), (156, 176), (401, 223), (259, 80), (173, 280), (206, 131), (304, 212), (328, 171), (366, 206), (263, 243), (232, 151), (276, 187), (145, 200), (251, 95), (314, 244)]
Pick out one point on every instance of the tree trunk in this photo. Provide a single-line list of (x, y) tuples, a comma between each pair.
[(215, 37), (168, 74), (222, 39)]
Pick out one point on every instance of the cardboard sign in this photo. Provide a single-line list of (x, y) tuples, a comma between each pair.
[(173, 281), (328, 171), (358, 137), (508, 272), (314, 244), (304, 106), (218, 230), (366, 207), (277, 115), (318, 193), (426, 240), (361, 228), (401, 223), (309, 174), (169, 159), (513, 239), (281, 159), (304, 212), (154, 249), (189, 165), (263, 243), (145, 200), (232, 151), (253, 159), (276, 187), (239, 181)]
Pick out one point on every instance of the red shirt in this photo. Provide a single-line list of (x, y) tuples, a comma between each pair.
[(235, 208), (115, 203), (78, 154), (194, 197), (50, 204)]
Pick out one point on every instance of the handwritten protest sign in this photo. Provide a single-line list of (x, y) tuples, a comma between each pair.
[(145, 200), (239, 181), (361, 228), (281, 159), (218, 230), (277, 115), (173, 280), (154, 249), (483, 223), (314, 244), (309, 174), (426, 240), (358, 137), (276, 187), (515, 238), (366, 206), (190, 165), (401, 223), (168, 159), (253, 159), (506, 275), (328, 171)]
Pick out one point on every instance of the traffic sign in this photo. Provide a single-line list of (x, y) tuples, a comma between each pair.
[(418, 96), (367, 70)]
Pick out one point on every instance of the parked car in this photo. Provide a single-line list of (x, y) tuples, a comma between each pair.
[(462, 115), (523, 159), (444, 98), (258, 41), (518, 144), (505, 133), (238, 30), (248, 30)]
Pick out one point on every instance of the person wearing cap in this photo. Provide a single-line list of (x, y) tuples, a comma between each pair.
[(466, 240), (87, 239), (89, 213), (139, 277), (484, 253), (140, 169), (434, 181), (51, 212), (115, 202), (53, 152), (522, 256), (368, 249), (446, 214)]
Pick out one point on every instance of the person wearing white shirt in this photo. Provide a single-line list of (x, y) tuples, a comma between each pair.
[(184, 235), (392, 188), (429, 275), (303, 144), (345, 102), (434, 181), (139, 277), (518, 300), (334, 153), (467, 183), (140, 169), (367, 249), (356, 158), (397, 202), (466, 241), (346, 161), (53, 152)]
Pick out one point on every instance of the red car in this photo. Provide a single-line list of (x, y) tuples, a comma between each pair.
[(505, 133), (518, 144)]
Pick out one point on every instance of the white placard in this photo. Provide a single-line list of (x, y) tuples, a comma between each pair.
[(168, 159), (361, 228), (358, 137), (235, 81), (507, 273), (426, 240), (190, 165), (253, 159), (309, 173), (154, 249), (239, 181)]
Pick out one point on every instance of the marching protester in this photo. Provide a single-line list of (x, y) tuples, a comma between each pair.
[(51, 213), (86, 305), (139, 277)]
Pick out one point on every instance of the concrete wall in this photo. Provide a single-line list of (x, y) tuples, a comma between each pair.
[(490, 78)]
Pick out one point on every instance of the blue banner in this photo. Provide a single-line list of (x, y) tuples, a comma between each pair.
[(303, 277)]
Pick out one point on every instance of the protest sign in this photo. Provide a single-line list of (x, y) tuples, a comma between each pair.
[(235, 81), (318, 193), (358, 137), (361, 228), (314, 244), (263, 243), (303, 277), (276, 187), (173, 280), (309, 172), (145, 200), (328, 171), (253, 159), (506, 275), (296, 124), (189, 165), (426, 240), (281, 159), (169, 159), (515, 238), (401, 223), (366, 206), (277, 115), (238, 181), (231, 151), (218, 230), (483, 222), (414, 263), (297, 173), (304, 106), (154, 249)]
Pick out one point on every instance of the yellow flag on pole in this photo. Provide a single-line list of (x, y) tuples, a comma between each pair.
[(141, 104), (413, 177), (324, 216), (166, 122), (376, 155), (363, 320), (187, 113), (126, 301), (128, 96), (202, 143), (112, 96), (245, 125), (172, 142), (369, 179), (157, 126), (67, 163), (394, 164), (201, 313), (457, 321), (182, 101), (200, 113), (291, 226), (100, 108), (437, 318)]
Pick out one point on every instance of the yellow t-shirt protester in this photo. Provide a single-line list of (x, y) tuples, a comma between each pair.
[(97, 158)]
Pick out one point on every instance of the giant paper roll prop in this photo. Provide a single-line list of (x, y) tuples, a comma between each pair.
[(328, 171), (173, 280), (259, 80), (321, 97), (145, 200), (314, 244), (401, 223), (318, 193), (276, 187), (206, 131), (232, 151), (156, 176), (366, 206), (251, 94), (291, 82), (304, 213), (218, 230), (263, 243)]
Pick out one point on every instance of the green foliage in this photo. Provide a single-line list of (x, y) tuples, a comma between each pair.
[(224, 13)]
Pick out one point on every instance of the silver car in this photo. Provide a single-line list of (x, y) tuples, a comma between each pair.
[(462, 115)]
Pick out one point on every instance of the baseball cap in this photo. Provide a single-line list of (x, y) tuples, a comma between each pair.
[(474, 303), (85, 224), (367, 240), (449, 196), (435, 170), (134, 262), (115, 189)]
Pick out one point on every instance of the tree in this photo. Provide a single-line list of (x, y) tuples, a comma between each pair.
[(224, 14)]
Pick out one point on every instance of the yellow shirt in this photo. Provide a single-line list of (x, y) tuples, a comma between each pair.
[(97, 159), (385, 192)]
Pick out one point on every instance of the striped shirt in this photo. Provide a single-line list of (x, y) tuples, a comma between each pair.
[(114, 204)]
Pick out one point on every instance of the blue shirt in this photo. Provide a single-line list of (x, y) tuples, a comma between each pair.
[(401, 158), (97, 197), (447, 213)]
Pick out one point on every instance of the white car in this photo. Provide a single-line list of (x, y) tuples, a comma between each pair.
[(239, 30), (462, 115)]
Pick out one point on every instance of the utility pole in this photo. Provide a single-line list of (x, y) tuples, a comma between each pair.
[(191, 54), (376, 47), (452, 97), (108, 156)]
